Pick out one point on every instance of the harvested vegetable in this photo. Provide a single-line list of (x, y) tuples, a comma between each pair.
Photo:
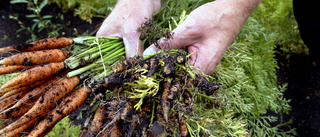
[(45, 102), (34, 74), (6, 69), (43, 44), (68, 105), (36, 57)]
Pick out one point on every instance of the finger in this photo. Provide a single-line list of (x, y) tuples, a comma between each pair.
[(131, 39), (184, 35), (108, 28), (151, 49)]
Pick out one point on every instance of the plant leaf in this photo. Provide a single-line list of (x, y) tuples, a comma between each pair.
[(18, 1)]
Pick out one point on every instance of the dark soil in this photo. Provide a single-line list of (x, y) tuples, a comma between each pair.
[(299, 71), (303, 78)]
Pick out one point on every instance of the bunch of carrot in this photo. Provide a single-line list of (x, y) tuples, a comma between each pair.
[(148, 91), (45, 91)]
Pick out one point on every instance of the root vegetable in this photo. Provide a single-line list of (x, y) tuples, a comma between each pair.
[(154, 66), (48, 43), (204, 85), (181, 58), (124, 65), (9, 101), (68, 105), (20, 129), (168, 69), (45, 102), (36, 57), (174, 90), (182, 125), (6, 69), (33, 95), (97, 120), (165, 103), (34, 74)]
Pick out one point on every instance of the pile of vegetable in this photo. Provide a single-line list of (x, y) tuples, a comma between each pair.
[(140, 96)]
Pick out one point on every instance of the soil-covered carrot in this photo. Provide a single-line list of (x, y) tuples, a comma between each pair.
[(48, 43), (180, 58), (68, 105), (6, 122), (168, 69), (123, 65), (154, 66), (9, 101), (17, 112), (6, 69), (97, 120), (20, 129), (36, 57), (45, 102), (33, 95), (34, 74), (204, 85), (165, 103), (23, 88), (182, 125)]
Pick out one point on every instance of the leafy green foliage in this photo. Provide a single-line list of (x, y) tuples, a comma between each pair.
[(41, 23), (277, 15), (65, 128), (86, 9)]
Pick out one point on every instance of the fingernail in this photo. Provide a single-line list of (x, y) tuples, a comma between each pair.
[(150, 50)]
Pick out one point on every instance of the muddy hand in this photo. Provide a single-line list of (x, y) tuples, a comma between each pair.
[(125, 19), (208, 31)]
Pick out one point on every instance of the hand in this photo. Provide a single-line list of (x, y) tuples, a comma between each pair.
[(208, 31), (124, 21)]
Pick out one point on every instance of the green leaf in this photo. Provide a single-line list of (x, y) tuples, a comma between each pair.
[(47, 17), (44, 3), (31, 16), (18, 1)]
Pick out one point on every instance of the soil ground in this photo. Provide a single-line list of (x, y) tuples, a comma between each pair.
[(301, 74)]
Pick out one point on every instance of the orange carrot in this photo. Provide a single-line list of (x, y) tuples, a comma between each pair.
[(33, 95), (6, 69), (68, 105), (36, 57), (48, 43), (9, 101), (17, 112), (20, 129), (97, 120), (34, 74), (45, 102)]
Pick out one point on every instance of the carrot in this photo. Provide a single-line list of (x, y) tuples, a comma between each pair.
[(45, 102), (48, 43), (23, 88), (33, 95), (17, 112), (9, 101), (68, 105), (36, 57), (20, 129), (154, 66), (182, 125), (123, 65), (165, 103), (112, 131), (180, 58), (168, 68), (6, 122), (34, 74), (97, 120), (6, 69)]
